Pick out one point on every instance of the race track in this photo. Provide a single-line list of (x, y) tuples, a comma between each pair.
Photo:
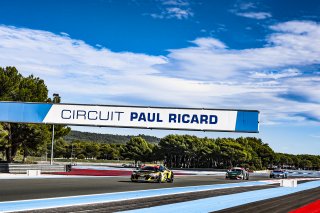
[(23, 189), (187, 193)]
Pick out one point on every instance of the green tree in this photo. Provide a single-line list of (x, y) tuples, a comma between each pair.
[(3, 139), (306, 164), (15, 87), (109, 152), (60, 148), (137, 149), (232, 152), (215, 153), (172, 148), (10, 78), (32, 138), (92, 150), (266, 155), (78, 148), (316, 163), (105, 152)]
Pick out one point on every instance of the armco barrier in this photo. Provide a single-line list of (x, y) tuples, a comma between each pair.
[(22, 168)]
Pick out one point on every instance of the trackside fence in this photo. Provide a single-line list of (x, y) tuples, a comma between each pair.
[(22, 168)]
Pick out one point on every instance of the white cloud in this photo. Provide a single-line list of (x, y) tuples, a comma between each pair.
[(65, 34), (173, 9), (255, 15), (209, 43), (206, 74), (244, 9), (290, 72), (297, 27), (70, 65), (283, 49), (247, 5), (292, 45), (175, 2), (173, 12)]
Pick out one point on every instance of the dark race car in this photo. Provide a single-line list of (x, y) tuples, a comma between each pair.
[(237, 173), (278, 173), (152, 173)]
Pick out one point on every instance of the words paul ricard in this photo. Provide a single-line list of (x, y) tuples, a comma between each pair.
[(135, 116)]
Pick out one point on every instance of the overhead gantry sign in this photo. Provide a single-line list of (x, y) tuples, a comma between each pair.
[(131, 116)]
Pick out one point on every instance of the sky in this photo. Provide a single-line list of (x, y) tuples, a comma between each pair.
[(231, 54)]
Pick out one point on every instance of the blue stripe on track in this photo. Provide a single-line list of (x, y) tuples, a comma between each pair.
[(24, 205), (228, 201)]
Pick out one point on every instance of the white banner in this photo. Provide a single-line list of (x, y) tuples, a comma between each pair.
[(153, 117)]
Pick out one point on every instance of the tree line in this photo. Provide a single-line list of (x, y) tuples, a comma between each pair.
[(105, 138), (186, 151)]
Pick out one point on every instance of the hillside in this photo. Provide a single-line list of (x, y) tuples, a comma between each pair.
[(105, 138)]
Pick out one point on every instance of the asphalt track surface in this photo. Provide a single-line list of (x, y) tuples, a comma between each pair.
[(148, 202), (24, 189), (280, 204)]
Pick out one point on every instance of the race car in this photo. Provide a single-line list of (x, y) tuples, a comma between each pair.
[(237, 173), (152, 173), (278, 173)]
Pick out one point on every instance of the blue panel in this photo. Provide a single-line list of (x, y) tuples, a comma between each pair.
[(247, 121), (23, 112), (3, 112), (35, 112)]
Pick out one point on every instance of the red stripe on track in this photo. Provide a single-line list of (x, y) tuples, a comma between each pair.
[(310, 208)]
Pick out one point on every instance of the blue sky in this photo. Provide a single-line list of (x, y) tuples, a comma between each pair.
[(261, 55)]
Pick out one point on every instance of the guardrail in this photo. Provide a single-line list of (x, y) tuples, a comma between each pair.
[(22, 168)]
